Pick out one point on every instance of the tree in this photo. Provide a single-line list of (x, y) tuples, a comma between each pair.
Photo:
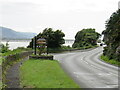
[(86, 37), (112, 36), (54, 38)]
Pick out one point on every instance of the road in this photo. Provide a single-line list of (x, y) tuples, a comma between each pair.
[(88, 70)]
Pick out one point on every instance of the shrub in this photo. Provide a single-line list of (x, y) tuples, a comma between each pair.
[(4, 48)]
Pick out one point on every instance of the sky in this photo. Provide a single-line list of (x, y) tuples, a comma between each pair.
[(70, 16)]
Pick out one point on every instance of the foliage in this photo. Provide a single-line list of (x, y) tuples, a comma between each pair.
[(111, 61), (60, 49), (4, 48), (86, 38), (15, 51), (0, 59), (41, 49), (44, 74), (112, 36), (54, 38), (66, 47)]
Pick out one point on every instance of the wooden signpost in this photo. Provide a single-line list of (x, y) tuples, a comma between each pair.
[(40, 43)]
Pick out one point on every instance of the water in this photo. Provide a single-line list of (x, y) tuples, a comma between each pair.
[(15, 44)]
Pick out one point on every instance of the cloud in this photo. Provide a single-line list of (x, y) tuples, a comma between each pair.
[(119, 4), (62, 6), (14, 7), (68, 15)]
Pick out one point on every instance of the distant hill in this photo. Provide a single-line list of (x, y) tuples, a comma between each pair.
[(9, 34)]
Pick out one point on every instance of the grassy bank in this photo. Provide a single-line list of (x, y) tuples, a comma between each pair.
[(44, 74), (60, 49), (14, 51), (68, 48), (111, 61), (0, 58)]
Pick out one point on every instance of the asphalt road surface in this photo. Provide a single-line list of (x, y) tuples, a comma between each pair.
[(88, 70)]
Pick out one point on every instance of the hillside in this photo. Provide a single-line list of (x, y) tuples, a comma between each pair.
[(7, 33)]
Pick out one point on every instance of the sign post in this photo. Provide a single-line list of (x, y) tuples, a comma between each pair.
[(41, 43)]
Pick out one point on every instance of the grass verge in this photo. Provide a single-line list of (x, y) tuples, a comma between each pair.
[(0, 59), (111, 61), (14, 51), (44, 74)]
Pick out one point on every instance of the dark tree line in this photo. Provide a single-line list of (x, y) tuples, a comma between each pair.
[(112, 36)]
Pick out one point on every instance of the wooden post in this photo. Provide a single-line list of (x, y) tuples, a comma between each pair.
[(47, 44), (35, 44), (47, 49)]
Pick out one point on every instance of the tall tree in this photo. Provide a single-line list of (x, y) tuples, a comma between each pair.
[(112, 36), (54, 38), (86, 37)]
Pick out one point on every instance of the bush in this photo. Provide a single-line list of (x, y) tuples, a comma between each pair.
[(4, 48), (89, 46), (86, 38), (111, 61)]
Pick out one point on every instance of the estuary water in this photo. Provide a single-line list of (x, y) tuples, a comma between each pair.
[(15, 44)]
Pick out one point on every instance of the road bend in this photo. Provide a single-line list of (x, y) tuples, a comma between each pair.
[(88, 70)]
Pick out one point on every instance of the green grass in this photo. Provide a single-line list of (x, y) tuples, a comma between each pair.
[(0, 58), (44, 74), (12, 52), (112, 61), (0, 84), (18, 50)]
